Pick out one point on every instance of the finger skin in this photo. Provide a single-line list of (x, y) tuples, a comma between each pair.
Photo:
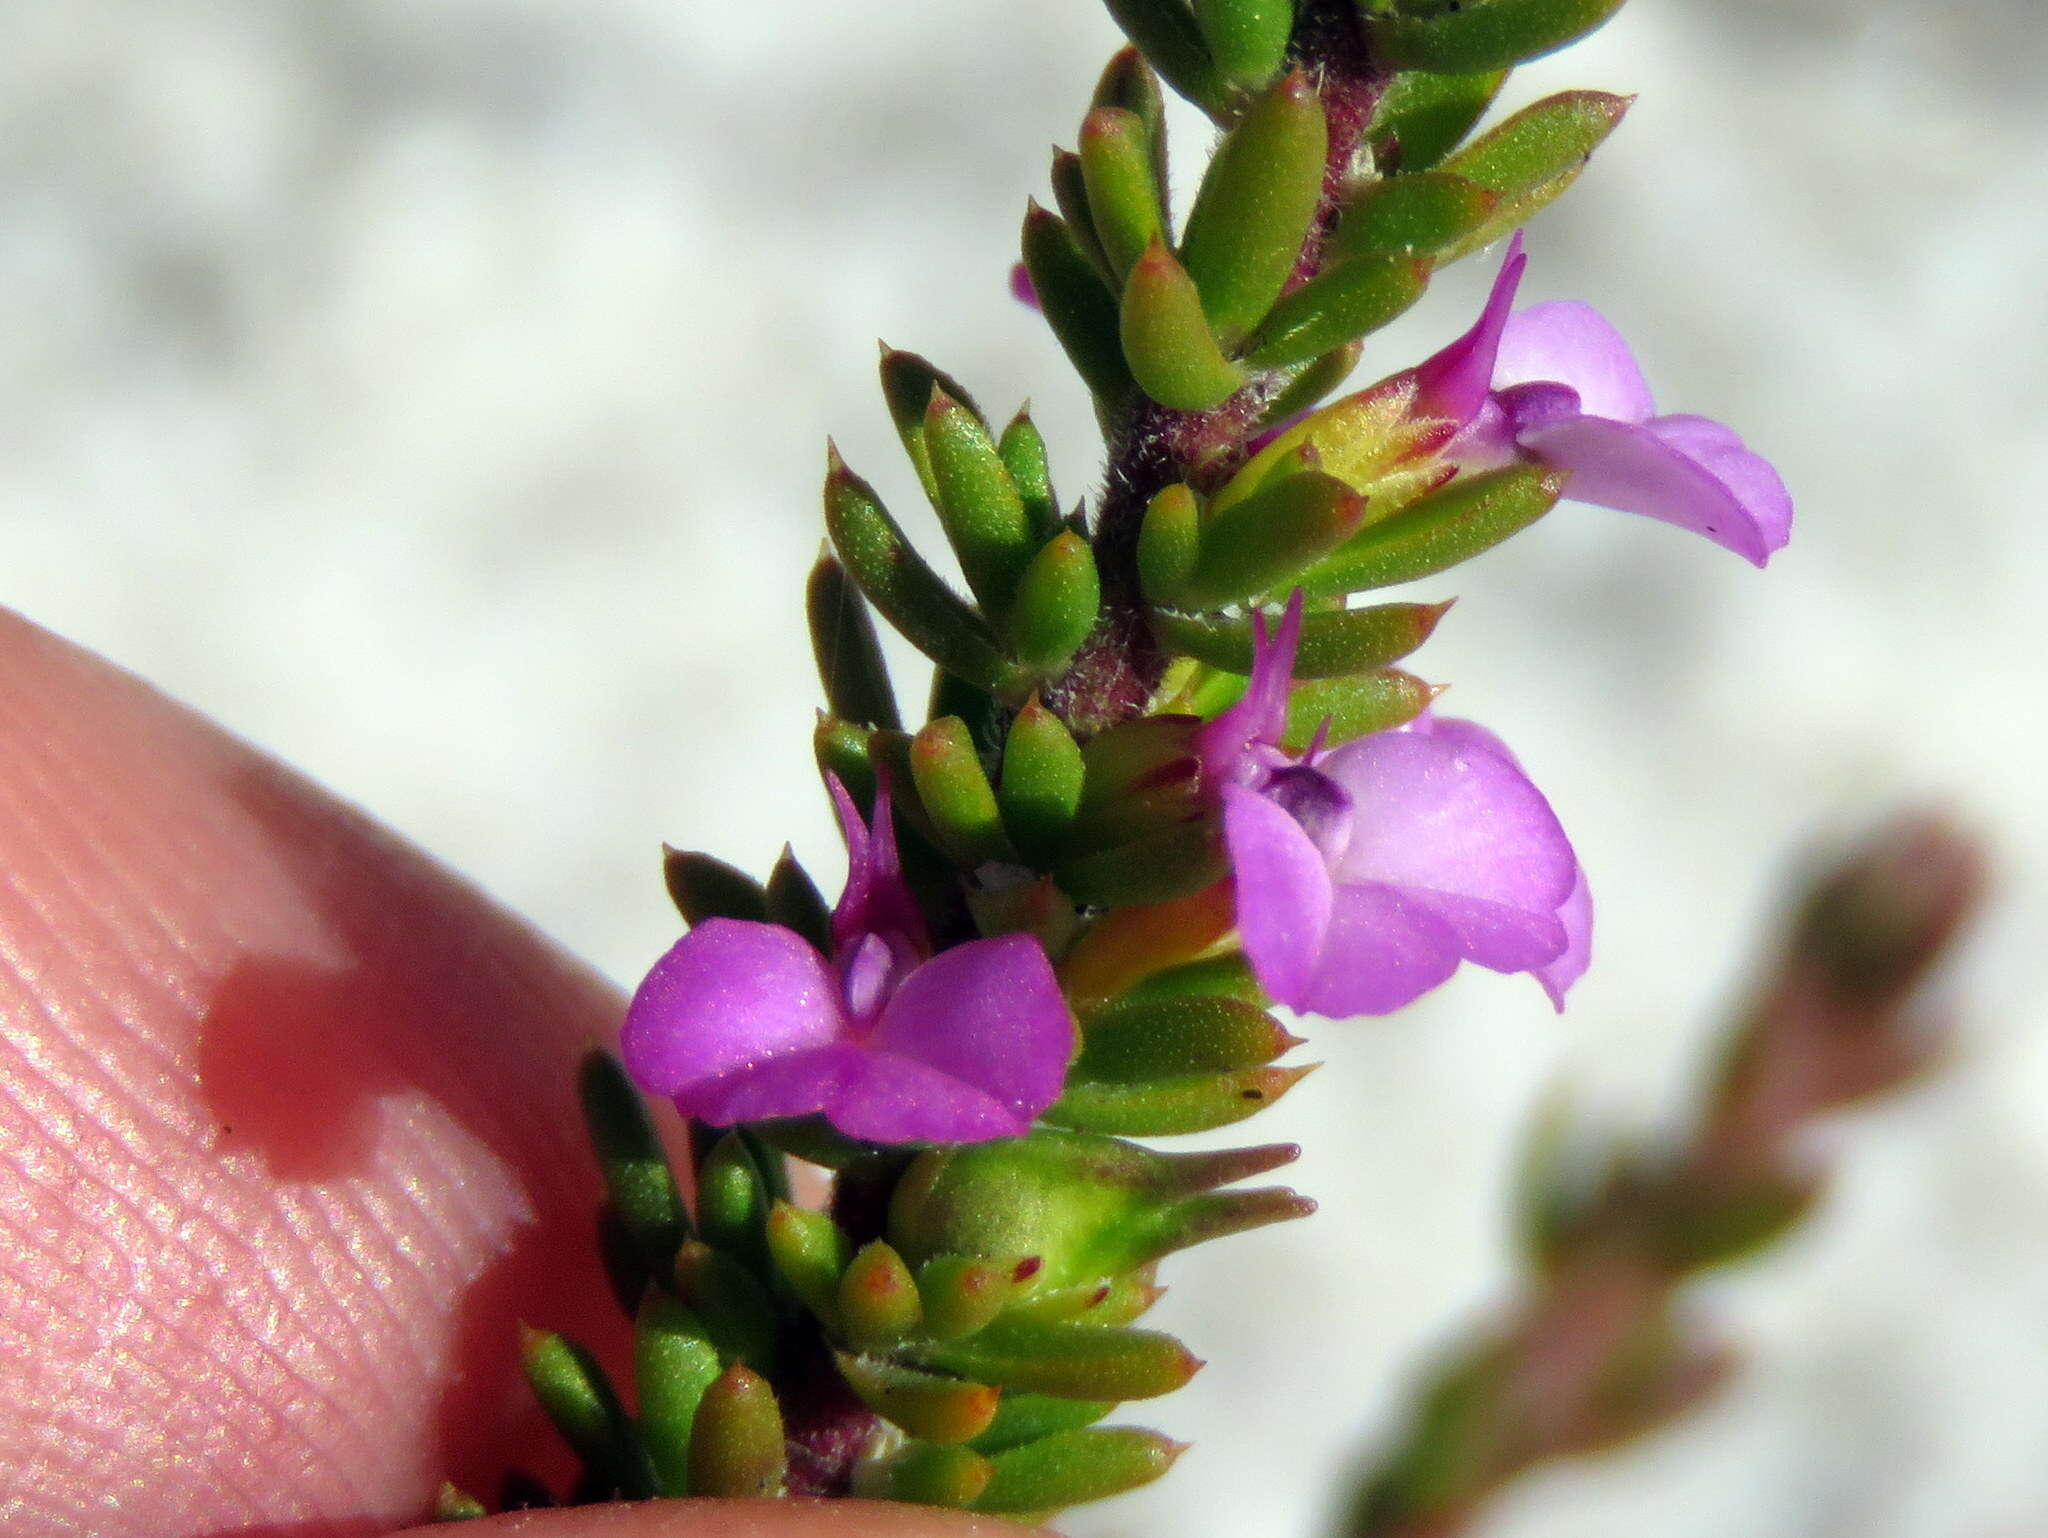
[(287, 1137), (742, 1519)]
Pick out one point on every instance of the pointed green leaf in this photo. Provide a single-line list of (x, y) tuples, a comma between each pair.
[(1338, 306), (795, 902), (1071, 1467), (1344, 708), (1225, 976), (1056, 604), (732, 1202), (1125, 203), (1136, 1042), (1168, 1107), (1023, 1418), (907, 385), (927, 1405), (1083, 313), (1260, 544), (579, 1399), (1070, 196), (878, 1303), (1533, 156), (1069, 1361), (907, 591), (847, 650), (734, 1306), (674, 1362), (1130, 83), (1022, 448), (1470, 515), (925, 1474), (963, 1293), (736, 1445), (1333, 642), (1411, 216), (1169, 544), (638, 1181), (705, 887), (1158, 867), (1245, 231), (957, 795), (1166, 34), (1246, 38), (1166, 338), (846, 752), (1041, 780), (1422, 116), (810, 1253), (978, 504), (1485, 34)]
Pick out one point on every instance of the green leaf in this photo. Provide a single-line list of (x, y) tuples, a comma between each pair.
[(1470, 515), (1070, 196), (1041, 781), (846, 647), (1166, 337), (705, 887), (1130, 83), (1411, 216), (1082, 312), (1125, 203), (1246, 38), (795, 902), (1337, 306), (878, 1303), (1484, 34), (732, 1202), (1344, 708), (1024, 1418), (963, 1293), (1056, 603), (1245, 231), (908, 592), (1194, 1102), (956, 793), (736, 1445), (674, 1362), (1166, 34), (933, 1408), (1422, 116), (579, 1399), (1071, 1467), (1531, 157), (1069, 1361), (1260, 544), (1311, 382), (1169, 543), (638, 1180), (1157, 867), (926, 1474), (1135, 1042), (810, 1253), (978, 504), (736, 1310), (907, 385), (1023, 452), (1333, 642)]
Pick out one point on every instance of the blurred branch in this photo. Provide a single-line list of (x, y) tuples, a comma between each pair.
[(1595, 1351)]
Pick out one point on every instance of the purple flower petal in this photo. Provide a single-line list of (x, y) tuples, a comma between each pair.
[(1632, 468), (799, 1084), (728, 994), (989, 1015), (1284, 894), (1436, 817), (876, 900), (1568, 343), (1260, 714), (1496, 935), (900, 1100), (1381, 951), (1577, 917), (1720, 451), (1454, 383)]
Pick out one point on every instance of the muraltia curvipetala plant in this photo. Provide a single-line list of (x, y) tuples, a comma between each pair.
[(1168, 778)]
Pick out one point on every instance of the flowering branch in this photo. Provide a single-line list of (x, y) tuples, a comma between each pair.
[(1597, 1350), (1168, 779)]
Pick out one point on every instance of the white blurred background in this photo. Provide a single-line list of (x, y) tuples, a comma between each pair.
[(436, 394)]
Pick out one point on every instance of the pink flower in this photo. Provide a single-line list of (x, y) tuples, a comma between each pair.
[(893, 1044), (1555, 383), (1365, 873)]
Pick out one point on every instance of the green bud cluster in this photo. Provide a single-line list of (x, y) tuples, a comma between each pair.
[(956, 1326)]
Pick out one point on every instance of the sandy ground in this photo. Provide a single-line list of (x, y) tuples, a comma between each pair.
[(437, 394)]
